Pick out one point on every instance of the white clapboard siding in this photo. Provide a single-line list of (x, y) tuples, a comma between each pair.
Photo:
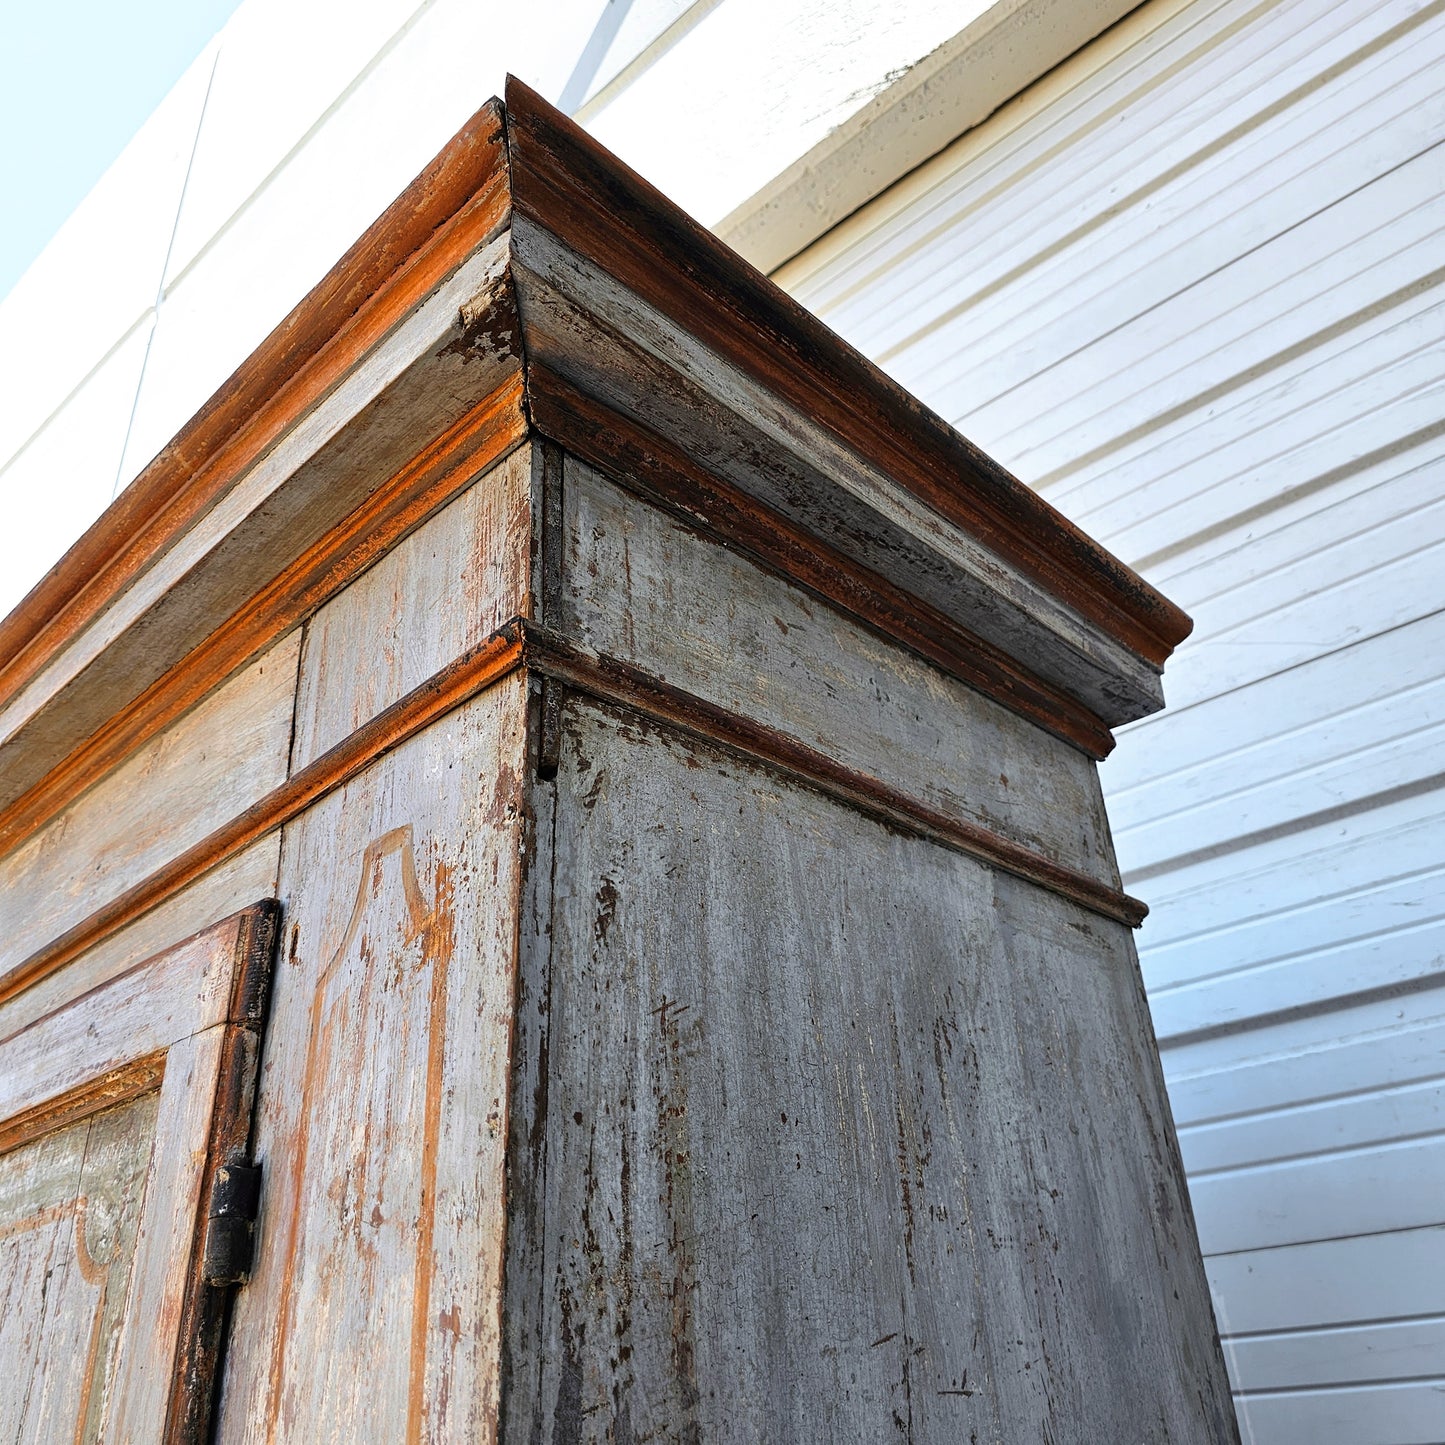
[(1330, 710), (63, 476), (1191, 285), (628, 39), (303, 63)]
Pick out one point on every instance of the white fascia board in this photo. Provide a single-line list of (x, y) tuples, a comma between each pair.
[(947, 92)]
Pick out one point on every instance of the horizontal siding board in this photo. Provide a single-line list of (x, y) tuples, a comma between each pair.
[(1300, 1130), (1143, 237), (1334, 1282), (1302, 718), (1381, 1045), (1242, 217), (1318, 979), (1310, 425), (1359, 501), (1346, 780), (1351, 257), (1406, 1412), (1392, 1350), (1071, 169), (1295, 876), (1383, 1188)]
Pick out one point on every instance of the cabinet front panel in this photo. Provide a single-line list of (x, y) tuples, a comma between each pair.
[(70, 1204), (199, 773), (444, 589), (374, 1310)]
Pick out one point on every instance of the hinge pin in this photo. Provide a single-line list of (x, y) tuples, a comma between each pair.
[(231, 1228)]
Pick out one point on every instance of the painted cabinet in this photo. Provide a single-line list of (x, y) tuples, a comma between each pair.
[(127, 1190), (704, 1005)]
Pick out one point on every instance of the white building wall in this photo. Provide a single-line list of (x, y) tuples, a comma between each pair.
[(1191, 285), (303, 120)]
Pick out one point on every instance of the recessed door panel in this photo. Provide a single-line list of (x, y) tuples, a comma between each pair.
[(118, 1114)]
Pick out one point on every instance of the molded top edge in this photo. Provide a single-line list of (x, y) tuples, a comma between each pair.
[(529, 159)]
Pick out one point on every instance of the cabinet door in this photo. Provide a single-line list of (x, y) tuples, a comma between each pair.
[(125, 1119)]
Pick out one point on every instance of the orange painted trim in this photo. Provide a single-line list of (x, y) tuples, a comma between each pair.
[(474, 671), (455, 206), (454, 460), (516, 644), (132, 1080)]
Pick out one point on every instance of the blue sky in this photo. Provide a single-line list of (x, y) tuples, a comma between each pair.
[(77, 80)]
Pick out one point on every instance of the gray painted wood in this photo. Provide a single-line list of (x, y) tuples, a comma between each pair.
[(446, 587), (613, 345), (827, 1133), (640, 586), (373, 1313), (195, 775)]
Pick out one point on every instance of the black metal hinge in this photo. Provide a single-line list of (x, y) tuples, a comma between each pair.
[(231, 1228)]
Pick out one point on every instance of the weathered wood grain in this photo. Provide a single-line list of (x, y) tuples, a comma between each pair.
[(635, 456), (641, 587), (225, 889), (828, 1133), (69, 1209), (374, 1312), (426, 376), (444, 589), (161, 1274), (610, 343), (661, 704), (174, 1038), (201, 771)]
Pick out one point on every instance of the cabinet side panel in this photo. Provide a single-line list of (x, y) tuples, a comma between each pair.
[(846, 1135), (641, 586), (373, 1313)]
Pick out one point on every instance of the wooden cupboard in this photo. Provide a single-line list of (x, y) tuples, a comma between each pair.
[(664, 755)]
